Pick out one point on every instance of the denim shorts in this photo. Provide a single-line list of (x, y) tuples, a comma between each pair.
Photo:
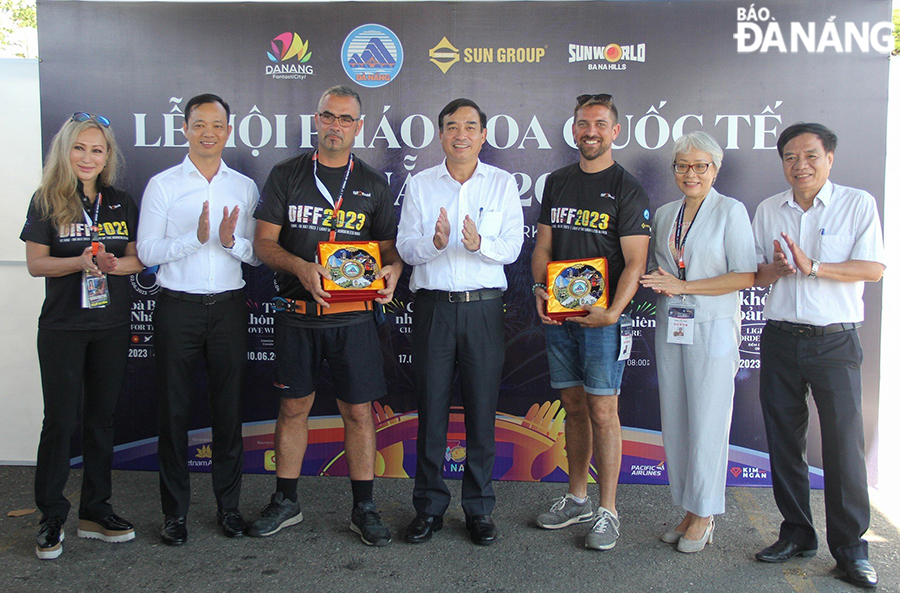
[(585, 356)]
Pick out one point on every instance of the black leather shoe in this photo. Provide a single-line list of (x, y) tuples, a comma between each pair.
[(482, 530), (174, 531), (232, 523), (859, 573), (423, 527), (50, 538), (111, 528), (783, 550)]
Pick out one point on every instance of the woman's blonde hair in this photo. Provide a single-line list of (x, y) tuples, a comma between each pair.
[(57, 197)]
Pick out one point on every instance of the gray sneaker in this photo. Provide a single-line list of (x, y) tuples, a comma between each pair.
[(277, 515), (604, 533), (365, 521), (564, 512)]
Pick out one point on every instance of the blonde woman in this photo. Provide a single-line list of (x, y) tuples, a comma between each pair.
[(80, 236)]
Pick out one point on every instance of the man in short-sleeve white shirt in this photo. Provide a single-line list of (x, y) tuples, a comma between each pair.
[(816, 244)]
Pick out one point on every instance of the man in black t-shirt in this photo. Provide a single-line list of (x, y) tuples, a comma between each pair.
[(322, 196), (591, 209)]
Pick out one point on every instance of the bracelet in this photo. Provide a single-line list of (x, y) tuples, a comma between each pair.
[(814, 271), (537, 285)]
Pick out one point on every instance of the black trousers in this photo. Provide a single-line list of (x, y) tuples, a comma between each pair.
[(185, 332), (468, 337), (79, 369), (829, 367)]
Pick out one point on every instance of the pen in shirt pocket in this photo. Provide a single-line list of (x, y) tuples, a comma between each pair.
[(480, 214)]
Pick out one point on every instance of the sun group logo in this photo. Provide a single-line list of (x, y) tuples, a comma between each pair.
[(444, 54), (758, 31), (372, 55), (285, 47), (613, 56)]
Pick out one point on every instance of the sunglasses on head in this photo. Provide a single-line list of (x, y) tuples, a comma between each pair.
[(601, 98), (81, 116)]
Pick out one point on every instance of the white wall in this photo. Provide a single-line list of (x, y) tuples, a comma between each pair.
[(887, 494), (21, 408)]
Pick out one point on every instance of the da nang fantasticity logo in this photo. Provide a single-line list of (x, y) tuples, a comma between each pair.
[(289, 56), (372, 55)]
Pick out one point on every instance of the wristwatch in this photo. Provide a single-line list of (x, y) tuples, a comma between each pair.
[(815, 268)]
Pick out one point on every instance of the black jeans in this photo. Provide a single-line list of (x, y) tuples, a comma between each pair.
[(79, 369)]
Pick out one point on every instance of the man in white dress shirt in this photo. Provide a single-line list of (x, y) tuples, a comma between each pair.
[(201, 309), (461, 222), (817, 244)]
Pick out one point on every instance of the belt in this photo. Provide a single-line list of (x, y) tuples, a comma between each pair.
[(206, 299), (813, 331), (465, 296), (314, 309)]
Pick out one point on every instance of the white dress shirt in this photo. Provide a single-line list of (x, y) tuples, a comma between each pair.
[(167, 230), (841, 225), (490, 198)]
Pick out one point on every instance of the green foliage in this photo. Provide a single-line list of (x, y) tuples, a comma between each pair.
[(16, 15), (896, 20)]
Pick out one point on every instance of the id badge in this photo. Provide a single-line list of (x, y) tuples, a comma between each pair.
[(680, 329), (625, 338), (94, 291)]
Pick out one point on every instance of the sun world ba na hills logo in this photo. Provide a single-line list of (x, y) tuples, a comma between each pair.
[(289, 55)]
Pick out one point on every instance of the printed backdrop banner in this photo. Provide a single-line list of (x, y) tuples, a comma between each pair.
[(738, 70)]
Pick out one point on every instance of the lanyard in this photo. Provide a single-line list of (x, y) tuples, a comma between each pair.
[(94, 224), (327, 194), (681, 240)]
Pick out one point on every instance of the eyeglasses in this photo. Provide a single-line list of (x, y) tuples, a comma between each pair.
[(601, 98), (345, 121), (699, 168), (81, 116)]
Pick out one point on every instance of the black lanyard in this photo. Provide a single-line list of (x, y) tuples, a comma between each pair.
[(681, 240), (324, 190), (94, 222)]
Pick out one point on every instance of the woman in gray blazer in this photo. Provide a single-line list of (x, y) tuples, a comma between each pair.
[(702, 255)]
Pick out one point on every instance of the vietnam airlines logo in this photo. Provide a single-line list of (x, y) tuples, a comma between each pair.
[(204, 452), (290, 56), (443, 55)]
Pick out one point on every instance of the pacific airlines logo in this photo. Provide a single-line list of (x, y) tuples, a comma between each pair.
[(372, 55), (290, 56)]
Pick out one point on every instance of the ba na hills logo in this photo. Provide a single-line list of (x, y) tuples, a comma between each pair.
[(289, 56)]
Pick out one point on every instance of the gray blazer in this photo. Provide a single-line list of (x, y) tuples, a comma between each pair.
[(720, 240)]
